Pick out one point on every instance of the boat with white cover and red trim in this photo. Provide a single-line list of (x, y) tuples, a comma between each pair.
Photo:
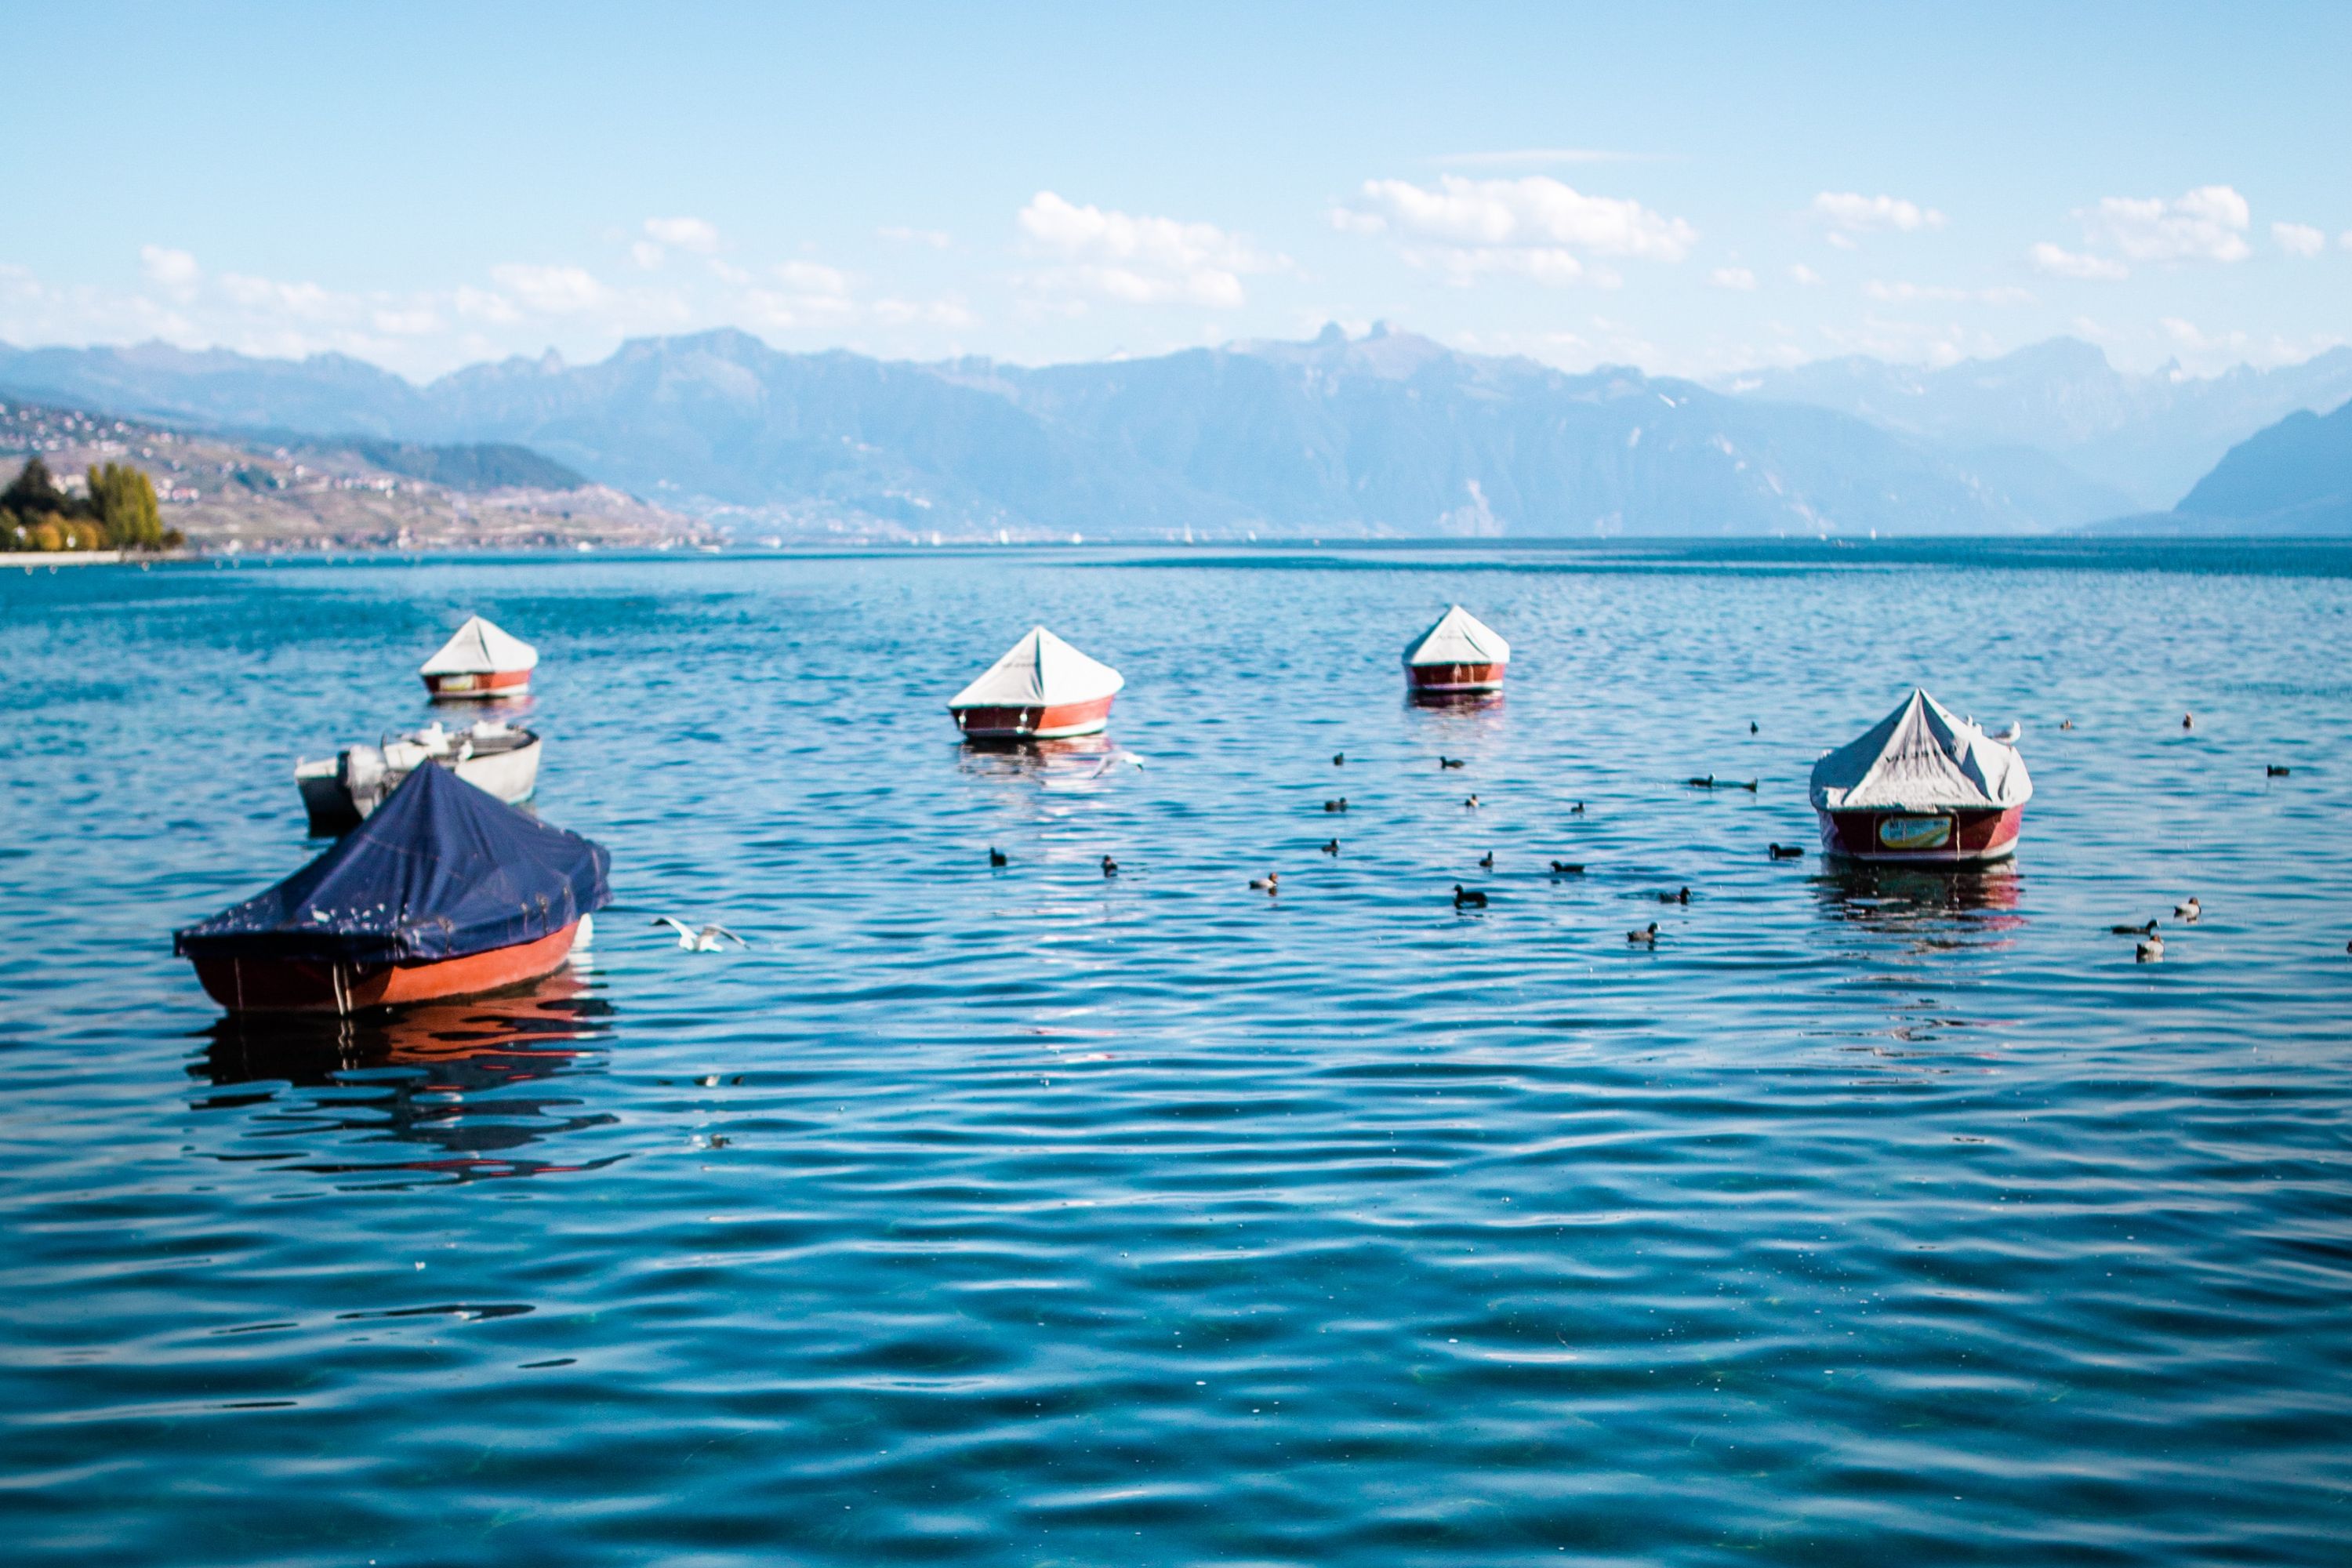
[(1461, 656), (1923, 786), (1042, 689), (480, 661)]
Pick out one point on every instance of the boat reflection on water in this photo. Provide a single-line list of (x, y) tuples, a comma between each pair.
[(1478, 702), (1075, 762), (454, 1078), (1935, 908)]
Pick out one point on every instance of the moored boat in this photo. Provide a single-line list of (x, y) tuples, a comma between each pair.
[(444, 892), (1461, 656), (1923, 787), (480, 661), (340, 791), (1042, 689)]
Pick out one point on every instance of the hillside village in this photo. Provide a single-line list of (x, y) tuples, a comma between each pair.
[(229, 495)]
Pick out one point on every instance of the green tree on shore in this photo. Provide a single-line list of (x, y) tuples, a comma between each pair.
[(120, 511), (125, 499)]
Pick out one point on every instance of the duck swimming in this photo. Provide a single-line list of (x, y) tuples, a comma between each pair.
[(1339, 759), (1487, 862), (1647, 935), (1339, 805), (1444, 763), (996, 856), (1266, 883), (1332, 847), (1468, 898), (2151, 950), (1111, 866), (1567, 868), (1680, 896), (2148, 930), (2274, 770), (1471, 803), (1786, 851), (2191, 913)]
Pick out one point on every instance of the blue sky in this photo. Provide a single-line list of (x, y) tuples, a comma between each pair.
[(1693, 189)]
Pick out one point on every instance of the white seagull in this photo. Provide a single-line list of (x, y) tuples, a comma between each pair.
[(1113, 761), (702, 939)]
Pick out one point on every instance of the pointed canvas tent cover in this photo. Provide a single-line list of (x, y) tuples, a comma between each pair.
[(441, 870), (480, 648), (1041, 670), (1921, 758), (1458, 637)]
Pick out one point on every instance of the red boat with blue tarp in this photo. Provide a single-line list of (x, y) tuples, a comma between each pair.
[(444, 892)]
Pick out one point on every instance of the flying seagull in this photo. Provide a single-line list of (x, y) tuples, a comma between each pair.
[(1113, 761), (699, 939)]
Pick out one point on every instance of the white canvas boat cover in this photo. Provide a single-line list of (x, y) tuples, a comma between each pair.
[(1458, 637), (480, 648), (1041, 670), (1921, 758)]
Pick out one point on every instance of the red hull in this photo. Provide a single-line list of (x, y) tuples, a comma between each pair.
[(1453, 677), (301, 985), (1052, 722), (1922, 838), (497, 683)]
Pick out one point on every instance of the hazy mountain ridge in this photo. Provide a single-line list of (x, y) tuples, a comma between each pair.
[(2147, 437), (1384, 434), (2293, 478)]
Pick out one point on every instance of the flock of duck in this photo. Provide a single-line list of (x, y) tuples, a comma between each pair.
[(440, 888)]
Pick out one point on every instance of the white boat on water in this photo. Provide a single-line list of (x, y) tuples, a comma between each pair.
[(340, 791)]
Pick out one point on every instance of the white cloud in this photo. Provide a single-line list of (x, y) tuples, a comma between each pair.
[(1900, 293), (481, 305), (937, 239), (1533, 227), (175, 271), (948, 312), (809, 277), (684, 233), (1801, 273), (1849, 212), (1140, 260), (2059, 262), (2298, 238), (2208, 224), (1737, 277), (414, 322), (305, 302), (550, 290), (1536, 213), (647, 254), (2208, 353)]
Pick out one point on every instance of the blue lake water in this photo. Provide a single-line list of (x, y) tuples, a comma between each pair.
[(1033, 1216)]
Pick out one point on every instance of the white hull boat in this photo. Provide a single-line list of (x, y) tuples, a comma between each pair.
[(340, 791)]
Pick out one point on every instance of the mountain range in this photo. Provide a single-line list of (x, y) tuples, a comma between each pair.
[(2149, 438), (1386, 434), (2293, 478)]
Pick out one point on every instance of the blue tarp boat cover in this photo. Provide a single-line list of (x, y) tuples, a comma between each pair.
[(441, 870)]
